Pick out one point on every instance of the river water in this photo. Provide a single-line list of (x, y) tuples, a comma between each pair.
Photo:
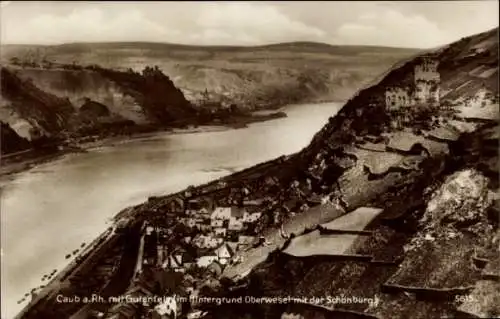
[(50, 210)]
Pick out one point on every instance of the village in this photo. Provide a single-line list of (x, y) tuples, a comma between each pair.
[(193, 237)]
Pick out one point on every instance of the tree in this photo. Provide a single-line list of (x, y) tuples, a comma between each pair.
[(15, 61), (35, 133), (234, 108)]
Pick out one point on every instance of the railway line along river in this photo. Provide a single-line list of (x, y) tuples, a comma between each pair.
[(48, 211)]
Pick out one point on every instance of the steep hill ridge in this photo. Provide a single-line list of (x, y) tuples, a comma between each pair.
[(44, 113), (10, 141), (39, 102), (433, 122)]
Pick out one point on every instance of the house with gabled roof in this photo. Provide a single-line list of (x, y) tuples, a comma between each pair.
[(224, 254), (176, 205), (247, 240), (236, 219), (204, 213), (203, 241), (232, 245), (194, 203), (251, 217), (217, 223), (174, 261), (191, 212), (272, 180), (223, 213), (235, 224), (245, 191), (167, 308), (221, 184), (189, 222), (204, 227), (220, 231), (253, 202)]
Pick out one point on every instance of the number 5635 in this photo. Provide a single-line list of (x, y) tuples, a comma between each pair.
[(464, 298)]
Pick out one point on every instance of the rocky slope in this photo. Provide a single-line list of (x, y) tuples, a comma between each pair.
[(77, 101), (250, 77), (10, 141), (24, 101), (434, 172)]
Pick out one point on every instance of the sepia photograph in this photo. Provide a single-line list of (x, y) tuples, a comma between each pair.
[(249, 160)]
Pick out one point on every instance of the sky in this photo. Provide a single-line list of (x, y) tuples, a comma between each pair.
[(414, 24)]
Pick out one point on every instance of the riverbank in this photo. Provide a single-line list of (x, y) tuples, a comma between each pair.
[(67, 269), (30, 159), (10, 165), (242, 122)]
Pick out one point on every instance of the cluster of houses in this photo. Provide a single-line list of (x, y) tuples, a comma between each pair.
[(137, 296), (196, 235), (210, 234), (208, 240), (219, 232), (221, 220)]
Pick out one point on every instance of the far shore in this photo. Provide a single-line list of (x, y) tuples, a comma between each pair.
[(30, 159), (114, 140)]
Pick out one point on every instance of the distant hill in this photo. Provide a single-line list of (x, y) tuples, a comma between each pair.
[(301, 46), (250, 77)]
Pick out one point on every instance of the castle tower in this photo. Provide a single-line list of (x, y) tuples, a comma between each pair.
[(427, 70), (396, 98), (427, 81)]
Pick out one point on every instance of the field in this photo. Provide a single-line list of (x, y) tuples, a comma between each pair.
[(444, 133), (358, 219), (404, 141), (315, 243), (377, 162)]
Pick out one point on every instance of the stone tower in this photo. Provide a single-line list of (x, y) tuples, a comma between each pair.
[(427, 81)]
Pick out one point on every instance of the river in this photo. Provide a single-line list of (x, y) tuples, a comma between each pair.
[(50, 210)]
